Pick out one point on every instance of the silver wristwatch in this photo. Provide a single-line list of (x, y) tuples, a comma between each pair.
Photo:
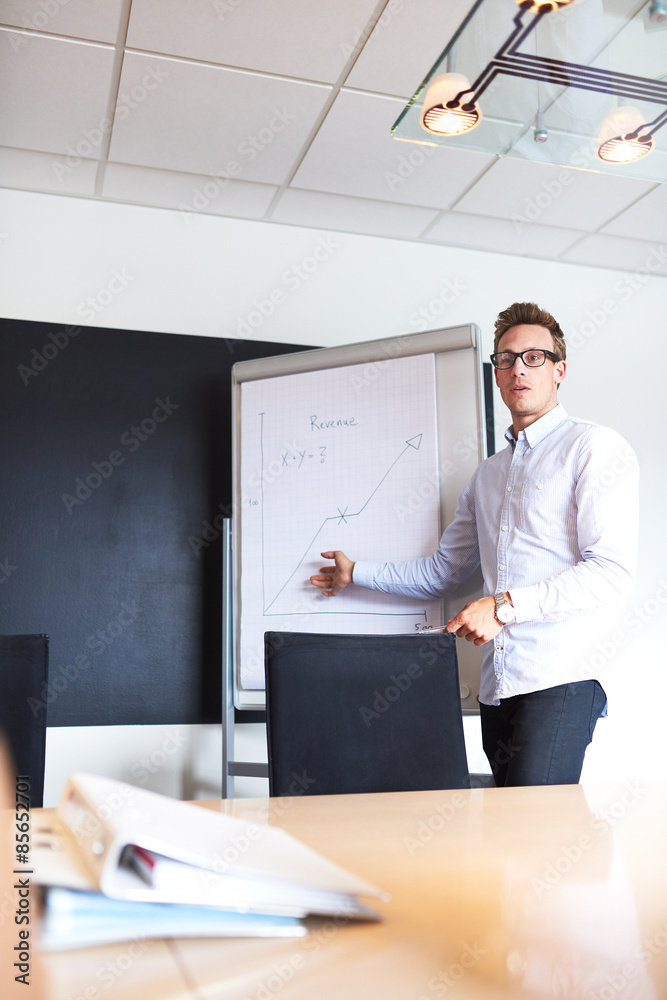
[(504, 611)]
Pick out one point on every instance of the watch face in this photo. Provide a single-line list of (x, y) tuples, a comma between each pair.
[(505, 614)]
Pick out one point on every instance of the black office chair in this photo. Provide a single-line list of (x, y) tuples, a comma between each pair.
[(363, 713), (23, 680)]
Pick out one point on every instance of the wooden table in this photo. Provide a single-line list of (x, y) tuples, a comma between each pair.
[(496, 893)]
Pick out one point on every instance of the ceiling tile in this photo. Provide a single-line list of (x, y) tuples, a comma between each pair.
[(354, 154), (55, 94), (309, 39), (27, 170), (190, 193), (94, 19), (184, 116), (484, 233), (406, 41), (645, 220), (535, 192), (352, 215), (621, 254)]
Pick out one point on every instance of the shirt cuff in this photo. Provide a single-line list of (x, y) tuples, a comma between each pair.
[(526, 603), (362, 574)]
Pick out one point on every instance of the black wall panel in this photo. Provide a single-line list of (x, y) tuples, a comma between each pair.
[(115, 453)]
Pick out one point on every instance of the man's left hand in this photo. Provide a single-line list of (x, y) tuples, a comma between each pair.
[(477, 621)]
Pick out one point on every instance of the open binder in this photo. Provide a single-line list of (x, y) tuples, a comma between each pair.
[(134, 845)]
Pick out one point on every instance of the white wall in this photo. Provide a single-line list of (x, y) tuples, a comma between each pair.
[(74, 261)]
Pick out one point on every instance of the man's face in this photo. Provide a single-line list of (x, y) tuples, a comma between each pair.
[(528, 393)]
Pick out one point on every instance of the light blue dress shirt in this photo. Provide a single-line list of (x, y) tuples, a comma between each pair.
[(553, 520)]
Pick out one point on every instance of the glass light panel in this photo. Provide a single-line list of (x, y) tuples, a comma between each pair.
[(575, 64)]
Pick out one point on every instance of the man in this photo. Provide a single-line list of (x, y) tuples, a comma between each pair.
[(552, 519)]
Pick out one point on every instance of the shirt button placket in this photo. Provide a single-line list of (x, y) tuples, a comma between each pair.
[(502, 560)]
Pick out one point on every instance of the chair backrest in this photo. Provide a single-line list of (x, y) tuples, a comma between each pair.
[(363, 713), (23, 687)]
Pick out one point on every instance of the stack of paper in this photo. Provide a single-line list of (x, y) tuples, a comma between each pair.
[(127, 862), (76, 919)]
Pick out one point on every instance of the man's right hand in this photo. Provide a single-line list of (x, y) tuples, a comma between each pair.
[(331, 579)]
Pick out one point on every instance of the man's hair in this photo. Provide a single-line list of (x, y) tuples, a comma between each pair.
[(529, 313)]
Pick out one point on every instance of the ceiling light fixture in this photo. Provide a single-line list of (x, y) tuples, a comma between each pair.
[(445, 110), (451, 106), (546, 6), (622, 137)]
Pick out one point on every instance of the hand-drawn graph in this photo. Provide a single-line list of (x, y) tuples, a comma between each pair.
[(343, 458), (341, 517)]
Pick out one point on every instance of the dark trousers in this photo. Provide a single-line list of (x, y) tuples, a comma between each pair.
[(541, 738)]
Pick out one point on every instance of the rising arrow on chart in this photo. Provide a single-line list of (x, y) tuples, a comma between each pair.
[(413, 442)]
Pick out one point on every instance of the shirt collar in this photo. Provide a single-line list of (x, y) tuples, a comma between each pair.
[(538, 430)]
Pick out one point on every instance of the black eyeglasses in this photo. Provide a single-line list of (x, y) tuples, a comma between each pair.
[(532, 358)]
